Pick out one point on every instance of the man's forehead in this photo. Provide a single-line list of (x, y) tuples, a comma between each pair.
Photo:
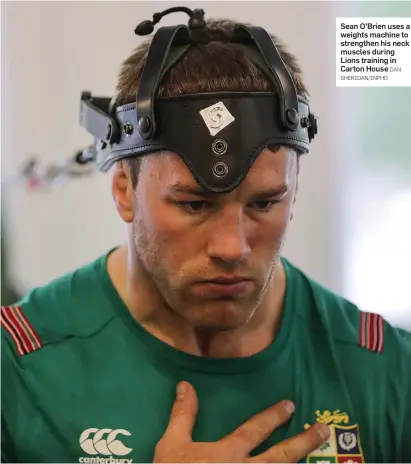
[(172, 171)]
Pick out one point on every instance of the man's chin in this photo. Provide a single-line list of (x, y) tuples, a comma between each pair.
[(218, 316)]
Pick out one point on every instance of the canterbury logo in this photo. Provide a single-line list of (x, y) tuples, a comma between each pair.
[(104, 441)]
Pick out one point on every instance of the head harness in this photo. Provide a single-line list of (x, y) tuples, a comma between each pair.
[(219, 134)]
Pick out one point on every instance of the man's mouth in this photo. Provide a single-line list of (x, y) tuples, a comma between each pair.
[(224, 285)]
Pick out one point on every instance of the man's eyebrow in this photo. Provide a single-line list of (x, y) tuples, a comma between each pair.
[(278, 191), (180, 187)]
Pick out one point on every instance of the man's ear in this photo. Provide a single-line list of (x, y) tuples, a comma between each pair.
[(122, 190)]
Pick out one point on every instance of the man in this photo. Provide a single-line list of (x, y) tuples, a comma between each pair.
[(269, 365)]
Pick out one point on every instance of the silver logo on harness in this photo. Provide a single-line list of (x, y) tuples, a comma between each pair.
[(216, 117)]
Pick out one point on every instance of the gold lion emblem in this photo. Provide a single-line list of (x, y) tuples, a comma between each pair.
[(328, 417)]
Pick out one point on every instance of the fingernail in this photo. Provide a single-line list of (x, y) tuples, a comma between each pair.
[(324, 431), (181, 389), (289, 407)]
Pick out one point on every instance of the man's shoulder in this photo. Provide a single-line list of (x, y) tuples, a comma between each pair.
[(350, 327), (71, 305), (363, 329)]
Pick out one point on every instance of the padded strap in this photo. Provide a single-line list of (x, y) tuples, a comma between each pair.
[(152, 73), (175, 54), (282, 78)]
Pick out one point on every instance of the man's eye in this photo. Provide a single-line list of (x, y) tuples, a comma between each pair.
[(194, 206), (263, 205)]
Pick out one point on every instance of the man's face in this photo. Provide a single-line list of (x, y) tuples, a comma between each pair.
[(211, 256)]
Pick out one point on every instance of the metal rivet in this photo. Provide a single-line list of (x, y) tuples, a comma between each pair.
[(128, 128), (220, 169), (144, 124), (292, 115), (219, 147)]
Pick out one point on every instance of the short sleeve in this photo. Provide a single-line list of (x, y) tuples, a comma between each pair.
[(11, 386)]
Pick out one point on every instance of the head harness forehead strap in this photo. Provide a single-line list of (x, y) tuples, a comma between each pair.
[(279, 74), (157, 56)]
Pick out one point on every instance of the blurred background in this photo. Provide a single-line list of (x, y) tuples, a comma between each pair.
[(352, 227)]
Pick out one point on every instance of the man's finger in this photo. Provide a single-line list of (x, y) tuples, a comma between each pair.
[(183, 415), (253, 432), (296, 448)]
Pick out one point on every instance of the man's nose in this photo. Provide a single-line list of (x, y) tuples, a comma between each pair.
[(228, 240)]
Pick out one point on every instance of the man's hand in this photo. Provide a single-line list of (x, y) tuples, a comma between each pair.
[(176, 445)]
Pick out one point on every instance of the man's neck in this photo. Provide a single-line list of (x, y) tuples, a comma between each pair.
[(172, 329)]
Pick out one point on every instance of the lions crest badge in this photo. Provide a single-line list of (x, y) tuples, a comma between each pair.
[(343, 446)]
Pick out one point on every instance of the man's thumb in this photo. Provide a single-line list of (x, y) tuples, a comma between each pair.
[(184, 413)]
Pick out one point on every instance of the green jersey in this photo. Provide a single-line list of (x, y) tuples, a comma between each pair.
[(82, 381)]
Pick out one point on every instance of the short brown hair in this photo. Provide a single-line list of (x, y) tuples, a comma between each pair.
[(218, 65)]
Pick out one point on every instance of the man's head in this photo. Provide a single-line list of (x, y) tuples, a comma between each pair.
[(184, 237)]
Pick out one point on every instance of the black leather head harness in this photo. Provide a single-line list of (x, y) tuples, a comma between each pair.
[(218, 134)]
